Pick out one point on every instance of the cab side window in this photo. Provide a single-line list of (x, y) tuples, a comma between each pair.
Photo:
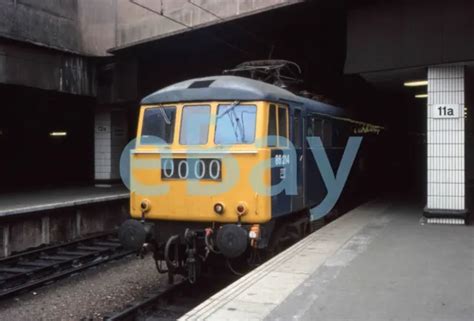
[(272, 126), (277, 126), (282, 126)]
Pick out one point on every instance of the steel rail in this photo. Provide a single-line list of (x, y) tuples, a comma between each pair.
[(42, 249), (173, 300), (134, 310), (28, 270)]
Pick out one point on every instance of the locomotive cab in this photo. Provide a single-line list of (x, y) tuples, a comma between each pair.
[(201, 168), (196, 162)]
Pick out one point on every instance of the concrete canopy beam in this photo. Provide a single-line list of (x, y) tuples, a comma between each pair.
[(145, 20), (46, 69), (20, 19)]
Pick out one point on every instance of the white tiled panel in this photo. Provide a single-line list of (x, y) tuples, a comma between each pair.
[(454, 97), (446, 163), (452, 85), (110, 137), (446, 202), (446, 137), (445, 72), (440, 150), (445, 124), (442, 176), (445, 141), (445, 189)]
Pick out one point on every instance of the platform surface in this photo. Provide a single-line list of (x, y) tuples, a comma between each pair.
[(53, 198), (377, 262)]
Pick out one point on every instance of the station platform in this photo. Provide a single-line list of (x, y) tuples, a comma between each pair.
[(378, 262), (50, 215), (12, 204)]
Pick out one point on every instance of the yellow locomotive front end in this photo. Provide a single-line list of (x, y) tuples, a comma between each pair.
[(199, 162), (200, 172)]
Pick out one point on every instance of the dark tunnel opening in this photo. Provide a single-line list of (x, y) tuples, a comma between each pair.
[(46, 138)]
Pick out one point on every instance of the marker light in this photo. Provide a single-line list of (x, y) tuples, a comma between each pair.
[(145, 205), (416, 83), (58, 134), (219, 208), (241, 208), (421, 96)]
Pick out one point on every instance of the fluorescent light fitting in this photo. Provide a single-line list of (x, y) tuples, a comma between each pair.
[(416, 83), (421, 96), (58, 134)]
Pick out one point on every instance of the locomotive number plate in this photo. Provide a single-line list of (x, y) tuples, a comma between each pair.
[(191, 168)]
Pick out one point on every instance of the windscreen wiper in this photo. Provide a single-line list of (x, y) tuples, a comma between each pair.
[(230, 108), (165, 117)]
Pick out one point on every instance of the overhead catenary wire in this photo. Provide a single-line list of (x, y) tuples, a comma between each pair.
[(161, 14), (253, 35)]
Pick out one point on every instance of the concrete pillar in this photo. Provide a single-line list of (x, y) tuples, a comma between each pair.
[(446, 199), (111, 136)]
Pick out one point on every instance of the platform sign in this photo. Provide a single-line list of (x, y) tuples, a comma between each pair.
[(102, 129), (446, 111)]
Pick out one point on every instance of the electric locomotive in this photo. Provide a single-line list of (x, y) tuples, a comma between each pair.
[(221, 167)]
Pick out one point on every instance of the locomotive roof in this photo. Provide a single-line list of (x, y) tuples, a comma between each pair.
[(232, 88)]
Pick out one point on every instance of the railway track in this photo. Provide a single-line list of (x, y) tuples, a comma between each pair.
[(172, 301), (34, 268)]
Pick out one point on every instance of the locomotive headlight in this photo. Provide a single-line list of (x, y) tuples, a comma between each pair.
[(219, 208), (145, 205), (241, 208)]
